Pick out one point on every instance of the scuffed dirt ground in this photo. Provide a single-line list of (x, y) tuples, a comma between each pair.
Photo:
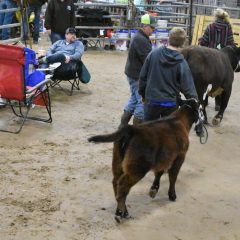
[(57, 186)]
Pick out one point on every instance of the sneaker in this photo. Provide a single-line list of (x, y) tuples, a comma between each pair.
[(54, 65), (35, 41)]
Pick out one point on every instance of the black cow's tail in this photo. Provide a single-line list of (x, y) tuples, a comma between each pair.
[(127, 131)]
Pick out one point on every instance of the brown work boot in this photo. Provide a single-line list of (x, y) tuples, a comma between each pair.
[(137, 121), (125, 118)]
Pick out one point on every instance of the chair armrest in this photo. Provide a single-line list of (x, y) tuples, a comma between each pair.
[(36, 87)]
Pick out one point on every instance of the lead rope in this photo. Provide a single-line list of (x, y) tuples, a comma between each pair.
[(200, 128)]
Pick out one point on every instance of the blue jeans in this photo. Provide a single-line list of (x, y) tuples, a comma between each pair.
[(134, 105), (56, 36), (6, 18)]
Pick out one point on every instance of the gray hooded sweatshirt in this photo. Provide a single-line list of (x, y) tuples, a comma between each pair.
[(164, 75)]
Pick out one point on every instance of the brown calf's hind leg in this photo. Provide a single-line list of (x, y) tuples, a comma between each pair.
[(116, 166), (125, 183), (173, 173), (117, 173), (156, 184)]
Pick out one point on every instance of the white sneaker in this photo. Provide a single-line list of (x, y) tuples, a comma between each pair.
[(54, 65)]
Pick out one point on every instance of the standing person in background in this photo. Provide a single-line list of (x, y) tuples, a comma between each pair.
[(164, 75), (140, 47), (35, 6), (59, 16), (218, 35), (6, 17)]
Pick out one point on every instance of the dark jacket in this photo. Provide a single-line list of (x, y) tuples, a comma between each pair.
[(164, 75), (217, 33), (59, 16), (140, 47), (36, 2)]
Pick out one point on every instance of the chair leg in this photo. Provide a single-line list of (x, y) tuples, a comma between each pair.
[(23, 115), (75, 84), (23, 119)]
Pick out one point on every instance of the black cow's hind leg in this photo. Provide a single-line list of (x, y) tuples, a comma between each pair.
[(217, 103), (224, 102)]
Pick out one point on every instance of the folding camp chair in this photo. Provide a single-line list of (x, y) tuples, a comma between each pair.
[(20, 87), (67, 73)]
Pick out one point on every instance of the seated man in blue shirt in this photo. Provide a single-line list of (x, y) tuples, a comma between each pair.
[(64, 51)]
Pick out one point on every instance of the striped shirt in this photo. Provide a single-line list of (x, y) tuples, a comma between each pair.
[(217, 33)]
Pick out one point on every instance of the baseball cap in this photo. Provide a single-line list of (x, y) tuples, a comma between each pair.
[(71, 30), (147, 19)]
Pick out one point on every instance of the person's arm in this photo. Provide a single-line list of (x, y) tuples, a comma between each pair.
[(48, 15), (143, 48), (52, 49), (204, 40), (187, 86), (230, 40), (143, 77), (79, 49)]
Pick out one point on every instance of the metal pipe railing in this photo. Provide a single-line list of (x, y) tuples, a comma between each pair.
[(8, 10), (10, 25)]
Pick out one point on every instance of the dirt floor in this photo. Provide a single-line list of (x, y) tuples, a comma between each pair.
[(57, 186)]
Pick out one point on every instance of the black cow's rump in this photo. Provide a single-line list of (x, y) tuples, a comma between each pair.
[(216, 67)]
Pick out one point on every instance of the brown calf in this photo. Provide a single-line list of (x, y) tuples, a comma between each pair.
[(159, 145)]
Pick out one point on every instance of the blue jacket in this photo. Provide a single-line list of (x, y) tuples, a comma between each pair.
[(164, 75), (74, 50)]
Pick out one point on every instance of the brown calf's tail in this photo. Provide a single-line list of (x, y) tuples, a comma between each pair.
[(123, 132)]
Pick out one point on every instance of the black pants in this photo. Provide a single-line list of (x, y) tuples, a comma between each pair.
[(153, 112)]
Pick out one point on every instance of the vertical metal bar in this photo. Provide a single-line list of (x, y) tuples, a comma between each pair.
[(190, 21)]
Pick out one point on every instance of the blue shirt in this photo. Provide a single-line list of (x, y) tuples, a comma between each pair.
[(74, 50)]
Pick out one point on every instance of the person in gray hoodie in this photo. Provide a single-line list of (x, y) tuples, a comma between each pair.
[(164, 75)]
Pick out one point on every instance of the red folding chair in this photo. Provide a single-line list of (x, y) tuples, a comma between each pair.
[(14, 68)]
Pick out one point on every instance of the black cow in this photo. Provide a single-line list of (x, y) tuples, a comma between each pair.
[(216, 67)]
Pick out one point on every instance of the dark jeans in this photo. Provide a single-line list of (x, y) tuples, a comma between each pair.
[(57, 57), (66, 70), (153, 112), (36, 9)]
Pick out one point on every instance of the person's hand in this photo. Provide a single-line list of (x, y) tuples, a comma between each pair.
[(67, 59)]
